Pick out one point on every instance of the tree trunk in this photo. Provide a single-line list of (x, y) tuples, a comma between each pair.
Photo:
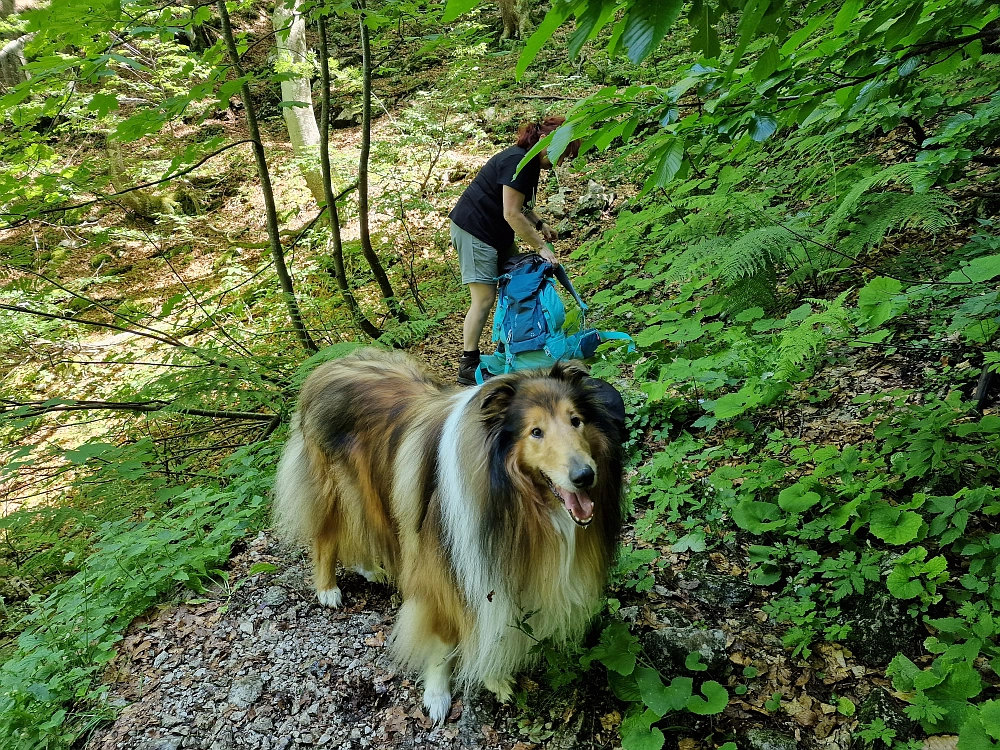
[(516, 21), (331, 202), (277, 253), (366, 141), (290, 40), (12, 59)]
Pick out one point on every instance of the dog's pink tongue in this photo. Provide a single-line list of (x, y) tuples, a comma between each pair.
[(577, 503)]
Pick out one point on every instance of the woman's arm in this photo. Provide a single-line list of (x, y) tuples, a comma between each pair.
[(513, 207), (550, 234)]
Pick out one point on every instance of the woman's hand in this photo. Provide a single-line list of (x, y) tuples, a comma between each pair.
[(550, 234), (549, 255)]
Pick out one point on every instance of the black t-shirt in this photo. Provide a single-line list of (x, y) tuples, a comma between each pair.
[(480, 209)]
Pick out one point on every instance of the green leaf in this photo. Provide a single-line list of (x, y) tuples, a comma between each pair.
[(102, 104), (455, 8), (903, 25), (762, 127), (767, 63), (659, 698), (717, 699), (895, 526), (875, 300), (797, 498), (639, 739), (980, 269), (593, 18), (671, 158), (552, 21), (757, 517), (646, 22), (617, 649), (694, 662), (262, 567), (846, 15)]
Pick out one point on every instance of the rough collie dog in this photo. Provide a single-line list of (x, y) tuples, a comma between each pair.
[(490, 507)]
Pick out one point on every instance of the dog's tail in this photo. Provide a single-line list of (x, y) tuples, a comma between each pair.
[(295, 490)]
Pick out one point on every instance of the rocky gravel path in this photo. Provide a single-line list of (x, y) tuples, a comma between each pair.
[(257, 663)]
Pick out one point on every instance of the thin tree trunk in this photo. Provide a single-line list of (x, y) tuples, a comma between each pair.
[(12, 59), (366, 142), (290, 41), (277, 254), (331, 201)]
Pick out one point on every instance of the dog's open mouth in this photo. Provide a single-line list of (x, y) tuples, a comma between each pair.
[(578, 504)]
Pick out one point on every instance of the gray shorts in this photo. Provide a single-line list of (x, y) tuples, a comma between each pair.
[(476, 259)]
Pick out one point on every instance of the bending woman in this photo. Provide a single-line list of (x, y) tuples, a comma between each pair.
[(494, 209)]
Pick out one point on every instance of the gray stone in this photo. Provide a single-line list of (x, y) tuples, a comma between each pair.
[(880, 629), (880, 705), (274, 596), (668, 648), (245, 692), (161, 743), (555, 206), (714, 589), (768, 739), (597, 198), (565, 228)]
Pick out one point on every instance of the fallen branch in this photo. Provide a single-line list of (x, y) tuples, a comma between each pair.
[(38, 408)]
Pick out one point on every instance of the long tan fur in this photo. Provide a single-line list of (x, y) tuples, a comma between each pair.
[(488, 507)]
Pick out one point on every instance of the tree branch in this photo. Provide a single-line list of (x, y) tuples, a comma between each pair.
[(37, 408)]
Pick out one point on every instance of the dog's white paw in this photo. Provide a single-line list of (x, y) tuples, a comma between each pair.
[(438, 704), (330, 597), (503, 688)]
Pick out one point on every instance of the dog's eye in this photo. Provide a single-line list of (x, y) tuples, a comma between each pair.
[(537, 432), (576, 421)]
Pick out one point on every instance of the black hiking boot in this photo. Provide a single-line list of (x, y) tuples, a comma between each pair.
[(467, 366)]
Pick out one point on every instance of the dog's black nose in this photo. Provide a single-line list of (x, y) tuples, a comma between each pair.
[(582, 477)]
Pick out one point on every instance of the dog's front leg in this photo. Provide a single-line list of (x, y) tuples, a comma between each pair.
[(437, 679)]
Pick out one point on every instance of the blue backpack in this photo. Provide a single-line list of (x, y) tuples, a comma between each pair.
[(529, 325)]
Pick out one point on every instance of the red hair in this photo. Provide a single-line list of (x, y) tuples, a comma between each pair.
[(531, 133)]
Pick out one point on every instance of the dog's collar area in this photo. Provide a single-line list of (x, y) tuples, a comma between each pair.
[(568, 504)]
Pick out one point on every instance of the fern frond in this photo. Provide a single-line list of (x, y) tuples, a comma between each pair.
[(754, 251), (890, 211), (799, 347), (752, 291), (906, 172)]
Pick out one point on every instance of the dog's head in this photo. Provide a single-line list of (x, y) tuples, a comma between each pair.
[(553, 437)]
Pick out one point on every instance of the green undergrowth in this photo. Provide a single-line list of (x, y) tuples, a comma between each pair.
[(50, 686)]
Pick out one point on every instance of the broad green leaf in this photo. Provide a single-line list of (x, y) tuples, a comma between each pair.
[(797, 498), (846, 15), (762, 127), (895, 526), (552, 21), (903, 25), (717, 698), (103, 103), (694, 662), (767, 63), (980, 269), (646, 22), (876, 300), (617, 649), (670, 162), (650, 739), (596, 15), (989, 713), (455, 8), (659, 698), (757, 517)]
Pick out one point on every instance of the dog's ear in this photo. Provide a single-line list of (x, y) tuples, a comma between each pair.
[(571, 372), (497, 395)]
